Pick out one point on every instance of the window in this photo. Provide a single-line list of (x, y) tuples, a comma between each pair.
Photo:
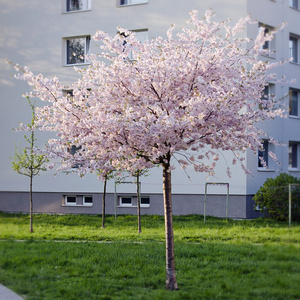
[(141, 35), (72, 151), (293, 155), (294, 4), (77, 49), (125, 201), (70, 200), (132, 2), (269, 92), (131, 201), (263, 155), (78, 200), (293, 161), (293, 103), (77, 5), (268, 45), (293, 48), (80, 101), (68, 93), (88, 200), (145, 202)]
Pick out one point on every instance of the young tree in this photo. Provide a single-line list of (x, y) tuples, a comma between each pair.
[(191, 95), (27, 162), (105, 177)]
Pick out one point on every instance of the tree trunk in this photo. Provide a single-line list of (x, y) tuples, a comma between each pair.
[(103, 203), (31, 174), (138, 202), (171, 283), (31, 204)]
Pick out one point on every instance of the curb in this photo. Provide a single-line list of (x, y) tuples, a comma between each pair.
[(7, 294)]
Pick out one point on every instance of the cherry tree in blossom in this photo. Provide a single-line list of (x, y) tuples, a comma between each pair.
[(137, 105)]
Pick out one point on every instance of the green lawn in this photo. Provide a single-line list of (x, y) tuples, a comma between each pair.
[(71, 257)]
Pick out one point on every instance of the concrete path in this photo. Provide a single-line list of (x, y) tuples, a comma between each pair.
[(7, 294)]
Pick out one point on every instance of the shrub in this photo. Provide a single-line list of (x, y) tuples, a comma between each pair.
[(273, 198)]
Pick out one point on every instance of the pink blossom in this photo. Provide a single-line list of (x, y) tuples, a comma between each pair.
[(188, 92)]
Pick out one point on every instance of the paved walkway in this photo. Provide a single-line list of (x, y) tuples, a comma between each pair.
[(7, 294)]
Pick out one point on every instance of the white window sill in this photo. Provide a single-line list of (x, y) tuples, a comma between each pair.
[(77, 205), (75, 11), (294, 63), (294, 117), (125, 5), (265, 170), (76, 65), (294, 170), (133, 206), (294, 8), (268, 56)]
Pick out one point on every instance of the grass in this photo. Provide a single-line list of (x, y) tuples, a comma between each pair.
[(64, 258)]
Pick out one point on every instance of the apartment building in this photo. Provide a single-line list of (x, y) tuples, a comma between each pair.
[(53, 37)]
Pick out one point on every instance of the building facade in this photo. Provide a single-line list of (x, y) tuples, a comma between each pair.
[(53, 37)]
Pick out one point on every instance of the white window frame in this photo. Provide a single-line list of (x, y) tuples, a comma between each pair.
[(265, 154), (294, 48), (294, 156), (80, 200), (86, 6), (269, 147), (294, 111), (294, 4), (67, 203), (86, 39), (131, 2), (145, 205), (87, 203), (125, 204)]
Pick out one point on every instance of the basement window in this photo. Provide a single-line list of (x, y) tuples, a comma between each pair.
[(70, 200), (145, 202), (77, 200), (126, 201), (88, 200)]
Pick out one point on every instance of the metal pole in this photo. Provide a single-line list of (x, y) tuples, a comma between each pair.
[(115, 196), (205, 202), (140, 190), (227, 200), (290, 205)]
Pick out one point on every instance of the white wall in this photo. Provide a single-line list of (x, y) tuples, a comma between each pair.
[(275, 13), (31, 34)]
